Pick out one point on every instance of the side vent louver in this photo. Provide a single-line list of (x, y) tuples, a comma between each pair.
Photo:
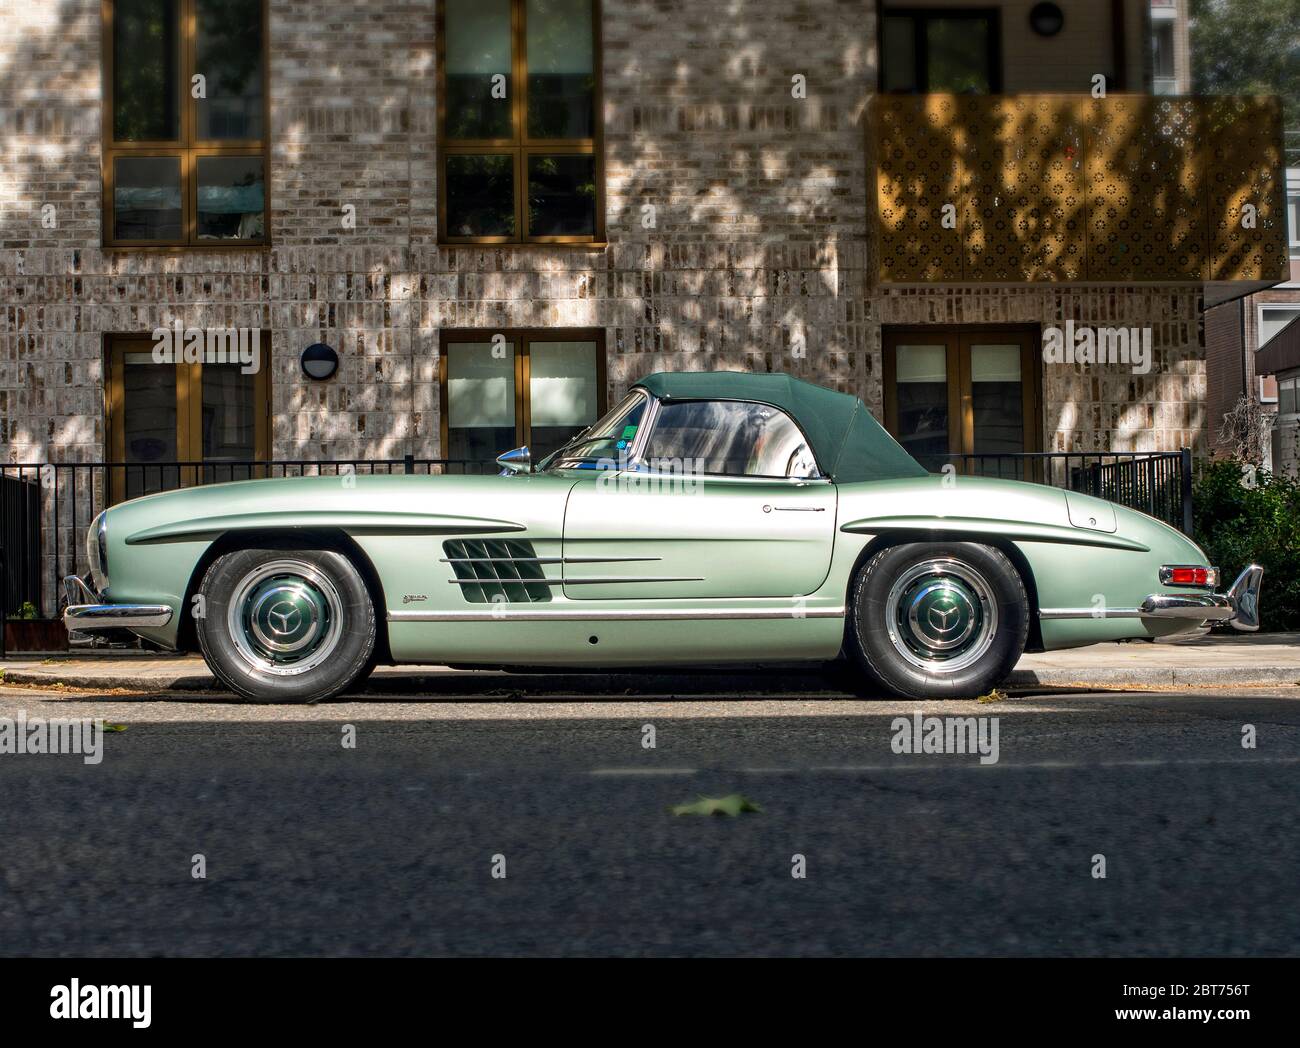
[(497, 569)]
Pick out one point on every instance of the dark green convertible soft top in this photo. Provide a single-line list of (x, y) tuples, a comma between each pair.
[(849, 444)]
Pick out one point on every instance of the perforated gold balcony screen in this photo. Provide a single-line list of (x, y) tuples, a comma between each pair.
[(1064, 188)]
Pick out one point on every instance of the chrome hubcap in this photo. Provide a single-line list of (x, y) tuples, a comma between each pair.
[(941, 615), (285, 617)]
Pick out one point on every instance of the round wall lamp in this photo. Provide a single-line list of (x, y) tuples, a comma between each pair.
[(1046, 19), (319, 361)]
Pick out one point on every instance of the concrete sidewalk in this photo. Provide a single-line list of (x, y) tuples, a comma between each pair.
[(1227, 660)]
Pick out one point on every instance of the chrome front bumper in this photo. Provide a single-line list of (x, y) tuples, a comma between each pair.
[(87, 617), (1239, 606)]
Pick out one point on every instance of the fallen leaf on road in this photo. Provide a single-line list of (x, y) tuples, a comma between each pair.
[(115, 727), (993, 696), (731, 805)]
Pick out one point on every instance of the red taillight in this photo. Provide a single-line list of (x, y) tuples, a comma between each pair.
[(1188, 575)]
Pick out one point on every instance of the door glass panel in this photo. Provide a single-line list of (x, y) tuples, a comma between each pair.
[(958, 55), (147, 198), (562, 393), (148, 424), (480, 403), (145, 53), (921, 378), (229, 424), (998, 407), (729, 438), (476, 50), (228, 45), (561, 82)]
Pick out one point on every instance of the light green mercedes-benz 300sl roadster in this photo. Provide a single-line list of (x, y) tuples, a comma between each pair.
[(709, 518)]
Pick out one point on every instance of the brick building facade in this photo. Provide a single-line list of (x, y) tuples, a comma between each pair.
[(762, 234)]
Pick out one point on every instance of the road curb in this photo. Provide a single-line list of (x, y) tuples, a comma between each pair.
[(460, 683), (1160, 676)]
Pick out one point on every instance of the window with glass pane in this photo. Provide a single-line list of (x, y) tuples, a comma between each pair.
[(1293, 223), (940, 51), (921, 379), (146, 74), (518, 79), (480, 195), (1286, 397), (180, 169), (561, 195), (479, 79), (729, 438), (147, 198), (480, 394), (561, 69), (562, 393), (1272, 319), (232, 198), (228, 53)]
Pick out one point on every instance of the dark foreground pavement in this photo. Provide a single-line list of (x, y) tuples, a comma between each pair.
[(388, 848)]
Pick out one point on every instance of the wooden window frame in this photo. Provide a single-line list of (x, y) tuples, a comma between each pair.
[(919, 15), (961, 408), (187, 148), (519, 146), (189, 408), (520, 340)]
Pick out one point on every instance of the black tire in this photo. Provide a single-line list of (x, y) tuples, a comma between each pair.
[(930, 593), (283, 625)]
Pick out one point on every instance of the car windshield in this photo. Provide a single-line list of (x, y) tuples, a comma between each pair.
[(608, 439)]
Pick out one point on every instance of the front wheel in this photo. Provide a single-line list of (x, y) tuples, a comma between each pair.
[(286, 625), (939, 620)]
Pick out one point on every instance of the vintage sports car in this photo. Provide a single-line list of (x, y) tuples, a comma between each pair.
[(709, 518)]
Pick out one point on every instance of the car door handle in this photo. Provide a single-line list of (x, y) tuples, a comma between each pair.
[(795, 509)]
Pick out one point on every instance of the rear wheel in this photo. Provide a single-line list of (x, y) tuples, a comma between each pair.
[(286, 625), (935, 620)]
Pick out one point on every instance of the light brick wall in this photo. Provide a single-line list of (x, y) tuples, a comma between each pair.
[(761, 231)]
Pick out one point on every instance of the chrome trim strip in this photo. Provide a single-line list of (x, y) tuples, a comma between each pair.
[(1204, 607), (1050, 614), (1196, 607), (577, 582), (543, 560), (502, 612), (86, 617)]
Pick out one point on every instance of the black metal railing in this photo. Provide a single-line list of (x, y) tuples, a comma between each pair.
[(45, 508), (1158, 483)]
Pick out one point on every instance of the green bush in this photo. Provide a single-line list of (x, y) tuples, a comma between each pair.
[(1239, 518)]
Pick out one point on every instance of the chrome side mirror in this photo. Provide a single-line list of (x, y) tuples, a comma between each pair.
[(518, 461)]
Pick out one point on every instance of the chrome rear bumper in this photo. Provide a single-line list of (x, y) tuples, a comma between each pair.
[(88, 617), (1239, 606)]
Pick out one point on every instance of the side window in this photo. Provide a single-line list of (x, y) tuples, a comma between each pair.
[(730, 438)]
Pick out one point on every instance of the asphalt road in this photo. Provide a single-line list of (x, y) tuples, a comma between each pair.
[(387, 848)]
